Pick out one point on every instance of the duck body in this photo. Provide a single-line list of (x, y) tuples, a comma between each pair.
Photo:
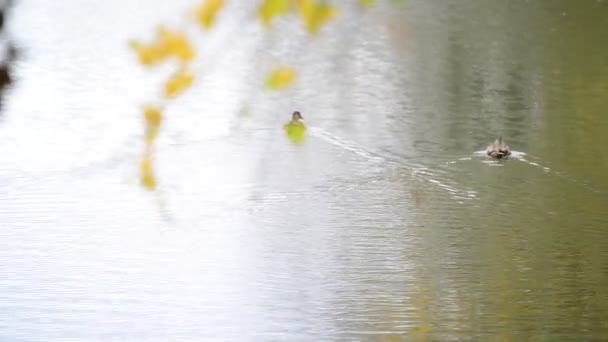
[(295, 128), (498, 149)]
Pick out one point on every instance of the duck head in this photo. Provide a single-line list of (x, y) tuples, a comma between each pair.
[(296, 116)]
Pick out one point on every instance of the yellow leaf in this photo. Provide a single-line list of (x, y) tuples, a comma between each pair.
[(175, 44), (281, 78), (153, 118), (272, 8), (168, 43), (148, 180), (367, 3), (306, 7), (316, 14), (148, 54), (207, 12), (178, 83)]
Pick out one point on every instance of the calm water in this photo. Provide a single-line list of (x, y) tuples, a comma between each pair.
[(383, 226)]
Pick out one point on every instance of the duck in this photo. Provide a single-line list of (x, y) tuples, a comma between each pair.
[(498, 149), (295, 128)]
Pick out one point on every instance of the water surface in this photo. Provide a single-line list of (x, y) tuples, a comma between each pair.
[(384, 225)]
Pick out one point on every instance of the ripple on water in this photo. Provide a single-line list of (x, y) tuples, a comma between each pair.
[(436, 176)]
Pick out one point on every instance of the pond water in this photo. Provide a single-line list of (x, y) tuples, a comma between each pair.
[(384, 225)]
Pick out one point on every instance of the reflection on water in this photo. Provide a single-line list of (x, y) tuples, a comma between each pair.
[(383, 225)]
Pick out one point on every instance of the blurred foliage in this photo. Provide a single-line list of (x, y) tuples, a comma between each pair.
[(148, 180), (280, 78), (167, 44), (316, 14), (153, 118), (269, 9), (173, 44), (366, 3), (207, 12), (178, 83)]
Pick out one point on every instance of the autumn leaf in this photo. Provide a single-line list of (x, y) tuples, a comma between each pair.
[(178, 83), (316, 14), (175, 44), (153, 119), (167, 44), (272, 8), (148, 54), (153, 116), (280, 78), (208, 11), (366, 3), (148, 180)]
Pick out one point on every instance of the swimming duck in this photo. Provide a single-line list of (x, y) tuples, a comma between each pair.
[(498, 149), (295, 128)]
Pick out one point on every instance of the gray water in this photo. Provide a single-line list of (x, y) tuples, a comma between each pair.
[(385, 225)]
